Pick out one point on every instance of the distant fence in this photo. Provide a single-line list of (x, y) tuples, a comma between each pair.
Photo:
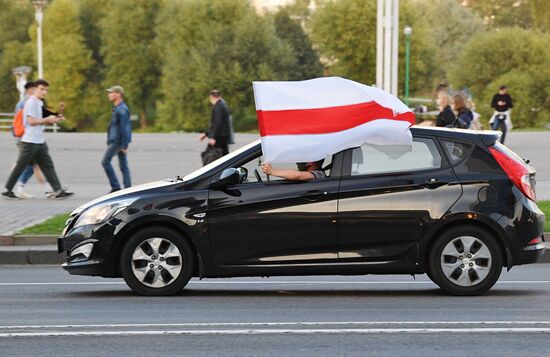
[(6, 120)]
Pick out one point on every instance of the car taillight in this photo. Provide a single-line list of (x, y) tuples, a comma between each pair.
[(535, 241), (517, 171)]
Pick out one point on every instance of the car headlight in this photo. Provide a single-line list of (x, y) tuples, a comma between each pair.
[(101, 212)]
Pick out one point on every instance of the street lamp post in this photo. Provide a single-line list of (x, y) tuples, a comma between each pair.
[(407, 31), (38, 15)]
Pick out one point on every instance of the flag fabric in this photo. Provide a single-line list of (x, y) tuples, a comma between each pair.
[(306, 121)]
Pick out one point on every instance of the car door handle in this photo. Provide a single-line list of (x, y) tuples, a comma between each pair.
[(314, 195), (434, 183)]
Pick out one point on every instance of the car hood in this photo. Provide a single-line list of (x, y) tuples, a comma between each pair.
[(126, 192)]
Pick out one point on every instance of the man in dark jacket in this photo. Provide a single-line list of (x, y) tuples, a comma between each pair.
[(119, 136), (220, 131), (501, 119)]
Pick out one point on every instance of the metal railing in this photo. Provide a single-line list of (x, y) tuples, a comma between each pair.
[(6, 121)]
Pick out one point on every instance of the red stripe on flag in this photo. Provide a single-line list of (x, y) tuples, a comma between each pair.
[(324, 120)]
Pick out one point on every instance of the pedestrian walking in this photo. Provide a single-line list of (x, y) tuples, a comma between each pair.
[(33, 147), (119, 136), (220, 132), (446, 116), (502, 118), (17, 133)]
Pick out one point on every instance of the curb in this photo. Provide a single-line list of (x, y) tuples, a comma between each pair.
[(25, 255), (45, 239), (47, 254)]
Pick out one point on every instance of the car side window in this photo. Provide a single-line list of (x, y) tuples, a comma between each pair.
[(381, 159), (456, 151), (256, 163)]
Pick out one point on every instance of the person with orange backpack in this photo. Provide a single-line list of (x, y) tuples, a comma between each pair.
[(18, 130), (33, 144)]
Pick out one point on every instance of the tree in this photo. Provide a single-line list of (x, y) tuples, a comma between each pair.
[(130, 54), (514, 57), (345, 33), (540, 10), (66, 62), (292, 33), (450, 27), (502, 13), (220, 44), (15, 19)]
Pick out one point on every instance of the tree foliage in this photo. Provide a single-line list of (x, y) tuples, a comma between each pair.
[(130, 53), (221, 44), (502, 13), (450, 27), (67, 61), (514, 57), (541, 14), (291, 32), (15, 19), (345, 32)]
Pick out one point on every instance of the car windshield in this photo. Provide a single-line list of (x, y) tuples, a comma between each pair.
[(220, 161)]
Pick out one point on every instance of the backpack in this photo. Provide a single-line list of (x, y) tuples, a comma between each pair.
[(18, 127)]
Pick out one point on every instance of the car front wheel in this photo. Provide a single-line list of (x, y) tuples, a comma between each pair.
[(157, 261), (465, 260)]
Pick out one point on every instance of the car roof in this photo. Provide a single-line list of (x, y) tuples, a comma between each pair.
[(487, 136)]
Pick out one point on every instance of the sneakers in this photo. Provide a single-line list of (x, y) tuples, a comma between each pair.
[(19, 192), (9, 195), (61, 195), (114, 190)]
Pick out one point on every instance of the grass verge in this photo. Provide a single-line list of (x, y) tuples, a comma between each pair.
[(53, 225)]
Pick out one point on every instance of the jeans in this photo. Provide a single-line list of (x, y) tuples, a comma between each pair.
[(26, 175), (112, 150), (500, 124), (39, 154)]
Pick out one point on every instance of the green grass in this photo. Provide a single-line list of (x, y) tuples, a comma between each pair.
[(545, 207), (53, 225)]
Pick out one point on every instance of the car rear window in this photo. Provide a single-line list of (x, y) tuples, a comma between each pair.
[(381, 159), (457, 151)]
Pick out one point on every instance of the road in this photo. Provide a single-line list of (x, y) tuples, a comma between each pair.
[(46, 312)]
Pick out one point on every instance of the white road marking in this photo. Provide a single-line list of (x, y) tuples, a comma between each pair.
[(274, 282), (283, 323), (516, 330)]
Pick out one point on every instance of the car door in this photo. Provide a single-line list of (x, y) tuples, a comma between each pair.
[(390, 197), (276, 223)]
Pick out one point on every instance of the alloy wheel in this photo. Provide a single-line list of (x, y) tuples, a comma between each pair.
[(466, 261), (156, 262)]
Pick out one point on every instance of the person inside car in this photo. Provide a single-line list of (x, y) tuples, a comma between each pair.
[(306, 171)]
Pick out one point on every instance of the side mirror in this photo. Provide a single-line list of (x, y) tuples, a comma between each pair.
[(229, 177)]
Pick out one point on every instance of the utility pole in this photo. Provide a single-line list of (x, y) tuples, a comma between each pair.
[(387, 45), (38, 15), (407, 31)]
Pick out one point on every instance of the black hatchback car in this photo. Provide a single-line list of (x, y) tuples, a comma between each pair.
[(456, 205)]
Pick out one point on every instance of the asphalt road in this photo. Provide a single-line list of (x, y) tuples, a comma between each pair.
[(44, 311)]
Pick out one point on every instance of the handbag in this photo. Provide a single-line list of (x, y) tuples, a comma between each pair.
[(210, 154)]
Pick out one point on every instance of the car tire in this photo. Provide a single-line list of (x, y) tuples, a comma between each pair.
[(157, 261), (465, 261)]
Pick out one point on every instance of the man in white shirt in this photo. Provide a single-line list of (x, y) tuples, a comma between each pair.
[(33, 144)]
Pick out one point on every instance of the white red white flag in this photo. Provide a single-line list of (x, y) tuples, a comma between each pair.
[(309, 120)]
